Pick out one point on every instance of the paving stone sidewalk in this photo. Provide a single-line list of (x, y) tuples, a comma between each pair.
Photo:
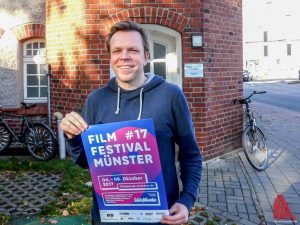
[(26, 193), (226, 194)]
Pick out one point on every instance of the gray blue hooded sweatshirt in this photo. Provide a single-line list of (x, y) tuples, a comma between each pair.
[(167, 106)]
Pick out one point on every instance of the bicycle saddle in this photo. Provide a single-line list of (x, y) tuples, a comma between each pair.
[(28, 105)]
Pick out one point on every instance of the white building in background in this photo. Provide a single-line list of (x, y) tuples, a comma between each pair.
[(271, 37)]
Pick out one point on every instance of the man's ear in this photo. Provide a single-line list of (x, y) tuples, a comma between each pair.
[(147, 57)]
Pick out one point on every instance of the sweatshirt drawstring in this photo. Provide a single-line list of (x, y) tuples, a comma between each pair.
[(118, 101), (141, 104)]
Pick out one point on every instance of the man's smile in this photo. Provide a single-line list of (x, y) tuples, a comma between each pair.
[(125, 67)]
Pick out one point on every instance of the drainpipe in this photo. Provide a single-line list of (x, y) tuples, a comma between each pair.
[(61, 139), (48, 89)]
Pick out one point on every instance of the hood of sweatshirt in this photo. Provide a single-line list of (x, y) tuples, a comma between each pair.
[(151, 82)]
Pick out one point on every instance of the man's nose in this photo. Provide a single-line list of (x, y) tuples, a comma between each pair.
[(125, 54)]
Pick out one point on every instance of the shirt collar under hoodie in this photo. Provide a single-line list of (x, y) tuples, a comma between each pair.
[(151, 82)]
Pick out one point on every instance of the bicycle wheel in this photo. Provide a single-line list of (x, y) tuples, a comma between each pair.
[(255, 148), (40, 142), (5, 137)]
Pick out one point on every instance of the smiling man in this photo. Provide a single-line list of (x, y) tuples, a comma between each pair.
[(127, 58), (132, 95)]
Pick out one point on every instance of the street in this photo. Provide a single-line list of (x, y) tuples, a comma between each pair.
[(278, 111), (278, 94)]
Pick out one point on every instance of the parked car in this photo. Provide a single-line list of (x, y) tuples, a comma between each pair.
[(247, 76)]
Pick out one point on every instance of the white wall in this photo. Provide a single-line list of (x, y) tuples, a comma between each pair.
[(12, 14), (281, 20)]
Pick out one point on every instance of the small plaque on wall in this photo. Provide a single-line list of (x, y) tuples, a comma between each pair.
[(193, 69)]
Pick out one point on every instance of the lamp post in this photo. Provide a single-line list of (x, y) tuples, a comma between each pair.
[(48, 66)]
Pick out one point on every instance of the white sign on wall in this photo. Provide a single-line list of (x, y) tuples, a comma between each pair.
[(193, 69)]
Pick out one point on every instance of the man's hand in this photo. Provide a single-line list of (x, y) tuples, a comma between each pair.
[(73, 124), (178, 214)]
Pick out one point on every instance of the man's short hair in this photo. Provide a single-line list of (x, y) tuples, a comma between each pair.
[(128, 26)]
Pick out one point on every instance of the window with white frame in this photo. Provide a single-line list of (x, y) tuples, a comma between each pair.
[(35, 78), (157, 62)]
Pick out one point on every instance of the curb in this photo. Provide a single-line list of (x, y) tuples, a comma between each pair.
[(253, 193), (293, 82)]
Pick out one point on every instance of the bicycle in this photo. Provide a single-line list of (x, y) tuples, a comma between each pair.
[(38, 138), (254, 139)]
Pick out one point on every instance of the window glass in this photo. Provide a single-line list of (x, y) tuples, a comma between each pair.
[(265, 36), (159, 51), (35, 45), (35, 48), (43, 69), (43, 80), (32, 92), (43, 92), (32, 81), (160, 69), (265, 50), (289, 49), (31, 68)]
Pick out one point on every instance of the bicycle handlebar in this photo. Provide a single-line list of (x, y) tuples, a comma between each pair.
[(27, 105), (243, 100), (259, 92), (255, 93)]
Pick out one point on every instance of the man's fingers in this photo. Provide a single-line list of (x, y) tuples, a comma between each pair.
[(178, 215), (69, 129), (77, 120), (73, 124), (174, 219), (69, 135)]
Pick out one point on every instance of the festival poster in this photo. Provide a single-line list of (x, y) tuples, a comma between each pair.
[(126, 172)]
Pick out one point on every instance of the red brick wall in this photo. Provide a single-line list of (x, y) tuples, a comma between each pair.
[(222, 31), (75, 34)]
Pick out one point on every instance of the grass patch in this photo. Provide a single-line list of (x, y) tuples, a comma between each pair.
[(73, 196), (205, 214), (4, 219), (217, 218), (210, 222)]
